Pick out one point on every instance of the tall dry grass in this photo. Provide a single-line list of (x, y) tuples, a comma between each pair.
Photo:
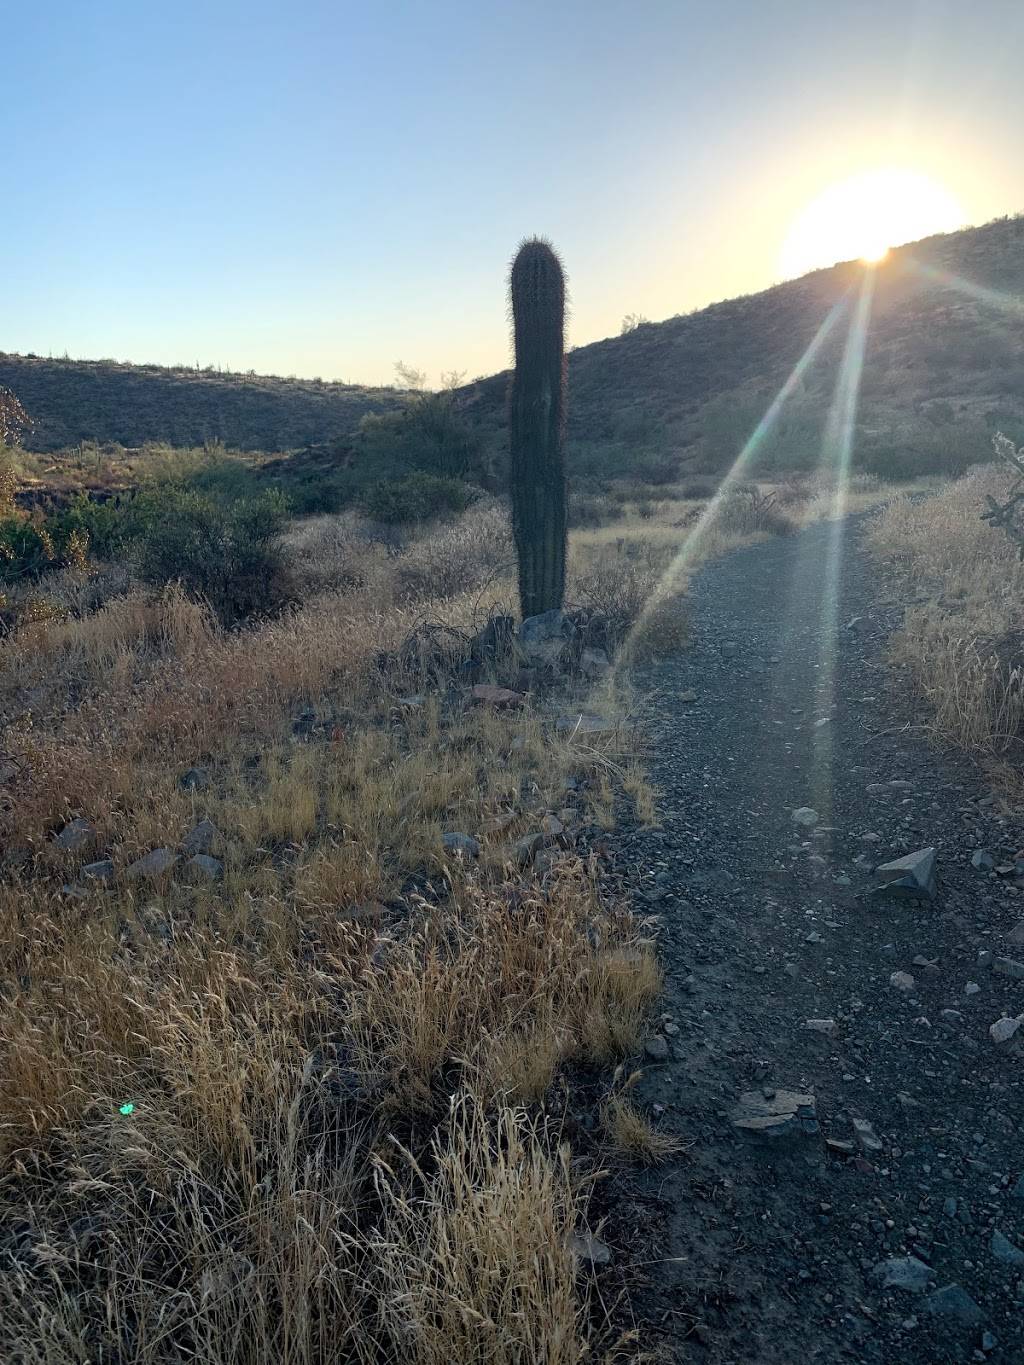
[(963, 633)]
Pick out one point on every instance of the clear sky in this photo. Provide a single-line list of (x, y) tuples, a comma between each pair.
[(322, 188)]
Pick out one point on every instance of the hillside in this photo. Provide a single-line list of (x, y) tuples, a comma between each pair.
[(942, 354), (943, 364), (71, 401)]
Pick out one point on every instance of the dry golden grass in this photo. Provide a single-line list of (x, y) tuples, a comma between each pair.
[(961, 638), (341, 983)]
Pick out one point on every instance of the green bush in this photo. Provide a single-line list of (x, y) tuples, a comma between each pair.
[(227, 554), (417, 497)]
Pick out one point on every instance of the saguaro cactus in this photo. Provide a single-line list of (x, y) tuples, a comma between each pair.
[(537, 425)]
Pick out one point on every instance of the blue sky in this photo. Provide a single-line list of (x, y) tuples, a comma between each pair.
[(324, 188)]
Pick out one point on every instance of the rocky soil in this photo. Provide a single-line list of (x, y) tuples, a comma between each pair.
[(852, 1187)]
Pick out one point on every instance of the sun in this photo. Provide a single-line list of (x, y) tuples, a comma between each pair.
[(862, 217)]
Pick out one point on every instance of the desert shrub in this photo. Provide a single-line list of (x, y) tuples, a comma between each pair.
[(416, 497), (476, 549), (429, 433), (746, 511), (699, 486), (228, 555), (591, 509)]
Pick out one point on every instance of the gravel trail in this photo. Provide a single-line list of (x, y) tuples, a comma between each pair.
[(754, 1251)]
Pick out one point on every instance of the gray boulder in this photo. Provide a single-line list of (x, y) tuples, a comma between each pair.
[(200, 839), (910, 877), (460, 846), (74, 835), (153, 865), (204, 868), (102, 871)]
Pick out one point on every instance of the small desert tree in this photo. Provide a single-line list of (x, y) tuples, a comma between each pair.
[(13, 417), (537, 425)]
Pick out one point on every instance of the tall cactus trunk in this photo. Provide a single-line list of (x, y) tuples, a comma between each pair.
[(537, 426)]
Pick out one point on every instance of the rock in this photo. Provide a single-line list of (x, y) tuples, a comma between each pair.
[(688, 697), (729, 649), (1016, 935), (102, 871), (412, 703), (985, 958), (1008, 966), (552, 827), (203, 867), (771, 1115), (951, 1016), (525, 849), (195, 779), (499, 823), (586, 1247), (903, 1272), (74, 835), (953, 1302), (153, 865), (867, 1139), (903, 981), (972, 988), (200, 839), (805, 815), (460, 845), (1004, 1250), (501, 698), (583, 723), (1006, 1031), (657, 1048), (982, 860), (542, 638), (989, 1341), (548, 858), (911, 876), (829, 1027), (594, 664)]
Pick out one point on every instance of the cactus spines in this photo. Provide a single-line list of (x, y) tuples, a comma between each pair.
[(537, 425)]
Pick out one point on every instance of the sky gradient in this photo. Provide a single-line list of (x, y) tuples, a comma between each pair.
[(325, 188)]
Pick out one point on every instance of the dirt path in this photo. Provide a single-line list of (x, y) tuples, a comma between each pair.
[(767, 1252)]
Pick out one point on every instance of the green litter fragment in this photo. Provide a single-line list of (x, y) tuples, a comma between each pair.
[(127, 1108)]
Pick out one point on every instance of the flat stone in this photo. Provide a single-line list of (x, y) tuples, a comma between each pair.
[(688, 697), (501, 698), (460, 845), (203, 867), (590, 1249), (771, 1115), (805, 815), (914, 873), (867, 1139), (953, 1302), (102, 871), (903, 1272), (1004, 1031), (829, 1027), (1008, 966), (200, 839), (153, 865), (1004, 1250), (195, 779), (903, 981), (525, 849), (656, 1048), (74, 835)]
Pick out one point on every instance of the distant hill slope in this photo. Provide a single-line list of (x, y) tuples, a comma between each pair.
[(944, 359), (939, 350), (70, 401)]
